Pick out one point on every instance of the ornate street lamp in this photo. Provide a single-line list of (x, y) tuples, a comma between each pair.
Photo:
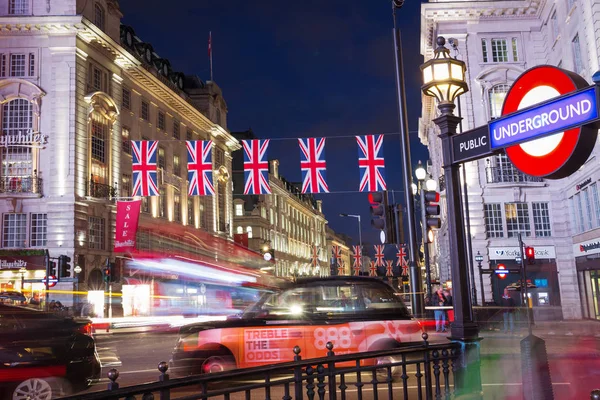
[(431, 184), (479, 260), (444, 79), (420, 172)]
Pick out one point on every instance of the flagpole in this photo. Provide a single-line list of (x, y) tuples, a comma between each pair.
[(210, 53)]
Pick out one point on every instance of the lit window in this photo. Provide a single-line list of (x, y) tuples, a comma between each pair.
[(14, 230), (18, 7), (162, 204), (517, 219), (126, 142), (99, 16), (239, 210), (161, 157), (240, 230), (126, 185), (39, 227), (99, 140), (176, 165), (177, 207), (96, 227), (249, 232)]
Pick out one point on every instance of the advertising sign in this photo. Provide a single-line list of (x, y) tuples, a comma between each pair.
[(128, 213), (587, 248), (510, 253), (17, 259)]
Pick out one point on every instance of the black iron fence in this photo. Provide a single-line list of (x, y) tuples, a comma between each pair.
[(101, 190), (27, 184), (421, 371)]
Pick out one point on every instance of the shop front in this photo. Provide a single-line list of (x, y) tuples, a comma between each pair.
[(542, 280), (23, 271), (587, 261)]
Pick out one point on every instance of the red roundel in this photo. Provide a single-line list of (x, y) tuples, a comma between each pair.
[(558, 155), (501, 266)]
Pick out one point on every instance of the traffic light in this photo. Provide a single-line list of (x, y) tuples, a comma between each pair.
[(107, 272), (383, 216), (64, 268), (431, 210), (53, 270), (530, 254)]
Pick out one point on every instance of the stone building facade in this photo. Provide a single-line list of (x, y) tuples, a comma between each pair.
[(498, 41)]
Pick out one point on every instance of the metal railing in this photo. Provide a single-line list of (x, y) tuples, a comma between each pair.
[(423, 371), (27, 184), (508, 174), (101, 190)]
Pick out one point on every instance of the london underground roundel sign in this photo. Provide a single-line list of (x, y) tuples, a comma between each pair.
[(558, 155)]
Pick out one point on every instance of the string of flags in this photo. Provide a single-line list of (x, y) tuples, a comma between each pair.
[(380, 261), (313, 166)]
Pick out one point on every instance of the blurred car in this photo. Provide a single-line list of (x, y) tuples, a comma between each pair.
[(11, 296), (356, 314), (44, 356)]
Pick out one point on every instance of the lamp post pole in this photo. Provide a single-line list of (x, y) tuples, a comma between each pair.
[(479, 259), (413, 261), (359, 227), (444, 78)]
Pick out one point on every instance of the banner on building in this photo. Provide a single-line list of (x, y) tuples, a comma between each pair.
[(128, 214)]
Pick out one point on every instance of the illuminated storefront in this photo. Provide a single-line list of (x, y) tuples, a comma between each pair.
[(23, 271), (587, 259)]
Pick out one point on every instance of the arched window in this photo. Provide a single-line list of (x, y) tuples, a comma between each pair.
[(99, 16), (17, 119), (249, 232), (496, 97), (240, 230), (99, 149)]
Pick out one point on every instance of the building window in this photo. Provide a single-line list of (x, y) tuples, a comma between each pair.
[(587, 203), (176, 165), (126, 99), (499, 50), (240, 230), (496, 97), (31, 64), (15, 230), (188, 134), (126, 185), (517, 219), (249, 232), (146, 204), (577, 61), (17, 118), (162, 203), (96, 78), (125, 141), (177, 207), (501, 170), (17, 65), (493, 220), (145, 110), (39, 227), (96, 233), (554, 27), (160, 123), (578, 208), (515, 49), (99, 16), (239, 210), (161, 157), (176, 129), (190, 211), (2, 65), (596, 200), (18, 7), (99, 129), (541, 220)]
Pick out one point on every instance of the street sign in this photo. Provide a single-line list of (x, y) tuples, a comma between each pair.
[(501, 271), (558, 115), (51, 282), (549, 119), (471, 145)]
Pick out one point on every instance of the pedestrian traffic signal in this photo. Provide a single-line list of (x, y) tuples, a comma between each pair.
[(383, 216), (64, 268), (530, 255)]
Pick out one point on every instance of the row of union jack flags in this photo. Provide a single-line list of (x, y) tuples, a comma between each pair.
[(256, 167), (380, 260)]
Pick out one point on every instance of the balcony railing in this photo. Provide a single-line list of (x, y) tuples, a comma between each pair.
[(101, 190), (15, 184), (508, 174)]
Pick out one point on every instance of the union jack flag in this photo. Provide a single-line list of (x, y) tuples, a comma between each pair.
[(200, 168), (341, 268), (313, 166), (357, 256), (144, 167), (370, 163), (401, 254), (372, 269), (256, 169), (337, 254), (356, 270), (405, 270), (389, 268), (315, 257), (379, 256)]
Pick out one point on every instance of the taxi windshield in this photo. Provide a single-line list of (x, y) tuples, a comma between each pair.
[(330, 299)]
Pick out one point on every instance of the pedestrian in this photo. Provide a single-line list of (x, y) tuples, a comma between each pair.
[(440, 314), (508, 312)]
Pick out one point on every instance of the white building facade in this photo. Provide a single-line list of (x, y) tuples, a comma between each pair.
[(559, 218)]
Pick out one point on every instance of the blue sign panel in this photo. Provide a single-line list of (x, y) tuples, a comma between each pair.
[(553, 116)]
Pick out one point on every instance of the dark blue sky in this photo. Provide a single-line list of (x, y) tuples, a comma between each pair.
[(300, 69)]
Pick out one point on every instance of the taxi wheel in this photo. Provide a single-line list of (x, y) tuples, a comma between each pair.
[(217, 364), (382, 373), (41, 389)]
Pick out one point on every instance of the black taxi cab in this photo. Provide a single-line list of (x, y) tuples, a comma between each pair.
[(356, 314)]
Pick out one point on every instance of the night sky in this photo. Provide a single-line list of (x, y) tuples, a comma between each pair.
[(300, 69)]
